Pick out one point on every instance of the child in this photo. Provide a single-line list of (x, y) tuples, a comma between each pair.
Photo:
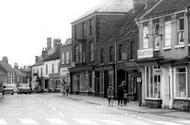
[(110, 93), (125, 97)]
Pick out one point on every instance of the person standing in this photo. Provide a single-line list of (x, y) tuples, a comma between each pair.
[(120, 95), (125, 99), (110, 94), (67, 88)]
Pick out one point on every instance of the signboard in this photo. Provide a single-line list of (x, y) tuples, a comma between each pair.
[(145, 53)]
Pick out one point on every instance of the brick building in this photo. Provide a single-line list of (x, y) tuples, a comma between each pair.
[(163, 55), (87, 31)]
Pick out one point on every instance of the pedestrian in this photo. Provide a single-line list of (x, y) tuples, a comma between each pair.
[(110, 94), (67, 88), (63, 87), (125, 98), (120, 95)]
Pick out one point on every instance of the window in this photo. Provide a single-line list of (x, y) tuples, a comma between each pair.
[(83, 29), (157, 37), (181, 82), (181, 31), (90, 26), (76, 54), (52, 68), (102, 55), (63, 58), (58, 67), (75, 32), (91, 51), (120, 52), (67, 57), (80, 53), (46, 69), (145, 38), (131, 48), (167, 42), (83, 52), (153, 81), (111, 54)]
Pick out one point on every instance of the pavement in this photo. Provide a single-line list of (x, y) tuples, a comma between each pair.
[(132, 106), (1, 98)]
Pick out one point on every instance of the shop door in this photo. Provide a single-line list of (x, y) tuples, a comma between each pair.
[(106, 80)]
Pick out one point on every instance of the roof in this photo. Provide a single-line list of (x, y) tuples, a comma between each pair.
[(120, 6), (7, 67), (55, 55), (167, 7), (19, 73), (127, 27)]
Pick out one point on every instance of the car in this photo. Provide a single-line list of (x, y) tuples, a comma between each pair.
[(8, 89), (24, 88)]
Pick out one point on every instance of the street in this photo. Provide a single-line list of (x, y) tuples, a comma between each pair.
[(55, 109)]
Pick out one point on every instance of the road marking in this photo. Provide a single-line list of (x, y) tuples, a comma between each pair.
[(61, 114), (166, 123), (85, 121), (3, 122), (52, 107), (56, 121), (28, 121), (185, 121), (111, 122)]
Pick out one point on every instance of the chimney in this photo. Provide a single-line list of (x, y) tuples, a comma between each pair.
[(36, 59), (56, 42), (48, 43), (5, 59), (140, 2), (16, 66), (44, 53)]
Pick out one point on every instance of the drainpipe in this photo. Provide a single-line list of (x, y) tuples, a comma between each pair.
[(115, 68)]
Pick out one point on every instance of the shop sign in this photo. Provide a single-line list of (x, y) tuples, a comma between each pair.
[(145, 53), (157, 72)]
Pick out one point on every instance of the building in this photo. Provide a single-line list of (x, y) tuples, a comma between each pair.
[(52, 67), (88, 31), (65, 61), (8, 70), (163, 55), (20, 77)]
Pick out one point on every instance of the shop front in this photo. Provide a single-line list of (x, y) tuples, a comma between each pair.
[(82, 81), (104, 75), (54, 84)]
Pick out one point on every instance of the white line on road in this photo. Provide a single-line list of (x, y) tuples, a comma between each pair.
[(166, 123), (3, 122), (52, 107), (111, 122), (28, 121), (85, 121), (185, 121), (56, 121), (61, 114)]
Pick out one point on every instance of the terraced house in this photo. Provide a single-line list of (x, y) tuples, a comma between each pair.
[(163, 55), (87, 31)]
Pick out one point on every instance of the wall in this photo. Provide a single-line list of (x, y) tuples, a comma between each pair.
[(49, 63)]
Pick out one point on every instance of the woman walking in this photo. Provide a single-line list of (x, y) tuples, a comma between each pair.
[(110, 93)]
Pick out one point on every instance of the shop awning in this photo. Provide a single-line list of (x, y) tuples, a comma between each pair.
[(80, 69)]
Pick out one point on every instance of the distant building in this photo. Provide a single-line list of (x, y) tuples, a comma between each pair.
[(65, 61)]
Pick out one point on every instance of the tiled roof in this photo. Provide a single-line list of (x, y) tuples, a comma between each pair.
[(127, 26), (6, 66), (168, 7), (109, 6), (55, 55), (2, 71)]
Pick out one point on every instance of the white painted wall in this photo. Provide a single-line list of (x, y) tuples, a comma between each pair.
[(49, 63)]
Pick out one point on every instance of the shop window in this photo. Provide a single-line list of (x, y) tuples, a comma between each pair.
[(167, 42), (181, 82), (90, 26), (145, 34), (181, 30), (46, 68), (153, 81)]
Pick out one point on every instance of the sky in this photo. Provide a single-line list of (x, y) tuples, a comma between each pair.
[(26, 24)]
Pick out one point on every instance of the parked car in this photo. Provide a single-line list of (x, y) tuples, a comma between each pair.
[(24, 88), (8, 89)]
